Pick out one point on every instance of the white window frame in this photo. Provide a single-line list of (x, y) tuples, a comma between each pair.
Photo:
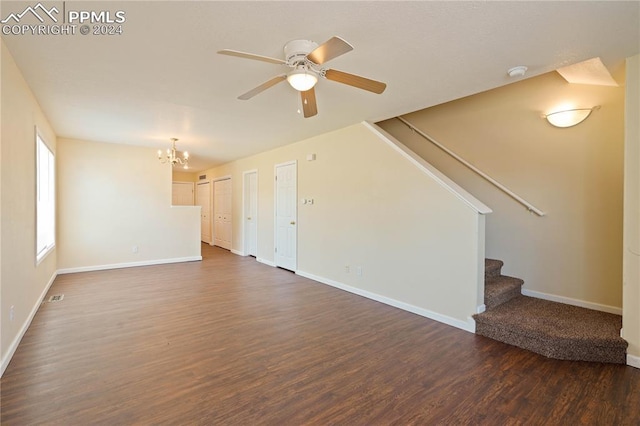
[(45, 199)]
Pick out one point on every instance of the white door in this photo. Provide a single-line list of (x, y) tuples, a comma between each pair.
[(222, 213), (182, 194), (286, 216), (203, 196), (251, 213)]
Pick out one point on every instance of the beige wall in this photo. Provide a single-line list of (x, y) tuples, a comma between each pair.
[(631, 290), (184, 177), (415, 241), (113, 197), (573, 174), (22, 281)]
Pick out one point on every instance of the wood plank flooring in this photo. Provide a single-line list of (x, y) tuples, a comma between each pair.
[(229, 341)]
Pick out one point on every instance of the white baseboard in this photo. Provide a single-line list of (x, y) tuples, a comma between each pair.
[(469, 325), (633, 361), (481, 308), (238, 252), (16, 341), (128, 264), (574, 302), (266, 262)]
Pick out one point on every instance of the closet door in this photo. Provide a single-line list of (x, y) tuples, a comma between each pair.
[(222, 213), (203, 199)]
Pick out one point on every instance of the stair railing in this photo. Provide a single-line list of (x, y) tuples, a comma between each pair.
[(530, 207)]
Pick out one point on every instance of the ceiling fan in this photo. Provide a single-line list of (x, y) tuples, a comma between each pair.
[(305, 58)]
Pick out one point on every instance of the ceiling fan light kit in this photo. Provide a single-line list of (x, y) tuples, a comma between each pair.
[(306, 58), (302, 78)]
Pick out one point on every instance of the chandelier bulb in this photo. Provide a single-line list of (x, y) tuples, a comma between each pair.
[(172, 157)]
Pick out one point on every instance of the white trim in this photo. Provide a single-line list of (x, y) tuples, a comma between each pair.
[(16, 341), (429, 170), (469, 325), (38, 137), (574, 302), (633, 361), (480, 309), (186, 207), (42, 256), (238, 252), (225, 177), (266, 262), (128, 264)]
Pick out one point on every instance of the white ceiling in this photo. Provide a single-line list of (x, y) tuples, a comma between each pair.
[(162, 77)]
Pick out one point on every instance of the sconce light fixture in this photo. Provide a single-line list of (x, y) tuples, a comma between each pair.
[(569, 117)]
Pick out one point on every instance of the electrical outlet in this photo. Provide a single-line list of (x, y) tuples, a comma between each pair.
[(12, 313), (134, 249), (347, 269), (359, 271)]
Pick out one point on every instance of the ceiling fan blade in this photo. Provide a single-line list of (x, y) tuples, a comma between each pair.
[(251, 56), (264, 86), (356, 81), (328, 50), (309, 106)]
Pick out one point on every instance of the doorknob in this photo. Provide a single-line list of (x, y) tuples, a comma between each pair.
[(249, 218), (292, 222)]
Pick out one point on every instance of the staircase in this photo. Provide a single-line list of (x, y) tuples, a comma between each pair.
[(552, 329)]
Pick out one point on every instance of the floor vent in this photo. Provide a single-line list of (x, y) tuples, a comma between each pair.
[(56, 298)]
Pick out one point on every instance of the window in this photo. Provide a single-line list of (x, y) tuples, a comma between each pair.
[(45, 203)]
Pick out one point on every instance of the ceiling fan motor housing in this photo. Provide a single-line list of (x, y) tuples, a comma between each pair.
[(296, 50)]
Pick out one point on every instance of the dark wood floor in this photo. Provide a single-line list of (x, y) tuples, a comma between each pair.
[(231, 341)]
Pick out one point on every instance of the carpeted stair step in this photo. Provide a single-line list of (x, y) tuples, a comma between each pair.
[(492, 268), (500, 289), (555, 330)]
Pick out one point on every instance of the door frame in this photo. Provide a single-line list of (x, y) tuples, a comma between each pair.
[(245, 225), (213, 197), (275, 210), (195, 200)]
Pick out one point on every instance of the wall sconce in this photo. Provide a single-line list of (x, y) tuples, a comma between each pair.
[(569, 117)]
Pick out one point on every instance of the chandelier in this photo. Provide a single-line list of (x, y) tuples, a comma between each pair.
[(172, 157)]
